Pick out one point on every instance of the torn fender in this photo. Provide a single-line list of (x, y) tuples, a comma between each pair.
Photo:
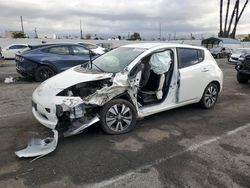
[(39, 147), (100, 97)]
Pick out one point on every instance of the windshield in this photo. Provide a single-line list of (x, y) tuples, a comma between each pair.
[(117, 59), (216, 49)]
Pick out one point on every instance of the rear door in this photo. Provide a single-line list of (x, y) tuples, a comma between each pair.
[(194, 73), (60, 56)]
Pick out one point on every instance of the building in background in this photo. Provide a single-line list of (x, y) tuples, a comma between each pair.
[(47, 36)]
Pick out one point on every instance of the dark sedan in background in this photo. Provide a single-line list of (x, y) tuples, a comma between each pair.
[(42, 62), (243, 69)]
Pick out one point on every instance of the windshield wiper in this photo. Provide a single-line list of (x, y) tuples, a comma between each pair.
[(97, 67)]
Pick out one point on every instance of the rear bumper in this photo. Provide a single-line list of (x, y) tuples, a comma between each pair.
[(25, 68), (242, 71), (24, 72)]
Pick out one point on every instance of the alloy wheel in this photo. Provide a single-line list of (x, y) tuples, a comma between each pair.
[(211, 96), (119, 117)]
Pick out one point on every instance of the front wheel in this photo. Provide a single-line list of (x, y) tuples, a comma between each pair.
[(210, 96), (118, 116), (242, 79), (43, 73)]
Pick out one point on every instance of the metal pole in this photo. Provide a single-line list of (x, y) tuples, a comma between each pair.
[(22, 24), (160, 32), (81, 29)]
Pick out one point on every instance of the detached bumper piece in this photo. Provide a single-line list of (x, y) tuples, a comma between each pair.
[(78, 126), (39, 147)]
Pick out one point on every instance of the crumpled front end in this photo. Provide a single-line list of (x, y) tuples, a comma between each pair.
[(76, 107)]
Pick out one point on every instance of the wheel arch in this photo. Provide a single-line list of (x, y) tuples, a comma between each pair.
[(45, 63), (217, 83)]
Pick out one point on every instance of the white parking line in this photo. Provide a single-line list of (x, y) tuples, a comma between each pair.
[(13, 114), (190, 148)]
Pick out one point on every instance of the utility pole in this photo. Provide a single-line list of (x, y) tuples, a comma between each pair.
[(22, 24), (81, 29), (35, 30), (160, 32)]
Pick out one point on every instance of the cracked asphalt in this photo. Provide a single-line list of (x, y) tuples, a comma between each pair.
[(184, 147)]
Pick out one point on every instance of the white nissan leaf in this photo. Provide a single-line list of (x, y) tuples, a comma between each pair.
[(130, 82)]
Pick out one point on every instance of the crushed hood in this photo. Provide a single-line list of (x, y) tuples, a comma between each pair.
[(68, 78)]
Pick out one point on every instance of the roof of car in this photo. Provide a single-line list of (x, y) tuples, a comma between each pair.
[(163, 45), (18, 44)]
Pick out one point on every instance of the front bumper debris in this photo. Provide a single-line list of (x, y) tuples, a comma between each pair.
[(39, 147)]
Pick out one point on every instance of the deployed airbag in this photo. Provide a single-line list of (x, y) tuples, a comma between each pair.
[(160, 62)]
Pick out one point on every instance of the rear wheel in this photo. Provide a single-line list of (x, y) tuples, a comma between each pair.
[(43, 73), (210, 96), (242, 79), (118, 116)]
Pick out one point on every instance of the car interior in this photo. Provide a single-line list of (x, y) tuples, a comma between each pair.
[(153, 87)]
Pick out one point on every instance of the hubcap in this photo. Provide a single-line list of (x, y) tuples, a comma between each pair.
[(210, 96), (119, 117)]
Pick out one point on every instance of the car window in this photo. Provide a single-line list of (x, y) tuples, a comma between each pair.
[(77, 50), (61, 50), (90, 46), (188, 57), (117, 59), (17, 47)]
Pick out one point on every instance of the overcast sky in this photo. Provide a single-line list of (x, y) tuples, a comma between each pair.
[(116, 17)]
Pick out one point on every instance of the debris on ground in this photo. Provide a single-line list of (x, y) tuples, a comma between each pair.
[(9, 80), (39, 147)]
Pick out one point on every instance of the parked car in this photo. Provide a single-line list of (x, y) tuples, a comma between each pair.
[(94, 48), (127, 83), (108, 46), (10, 51), (220, 52), (243, 69), (45, 61), (236, 53)]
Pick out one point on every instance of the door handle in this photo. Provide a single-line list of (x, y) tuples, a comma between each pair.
[(205, 70)]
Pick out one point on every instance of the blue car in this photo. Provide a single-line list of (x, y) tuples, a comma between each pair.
[(43, 62)]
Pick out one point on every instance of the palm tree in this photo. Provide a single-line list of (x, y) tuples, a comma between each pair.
[(221, 7), (225, 26), (237, 19)]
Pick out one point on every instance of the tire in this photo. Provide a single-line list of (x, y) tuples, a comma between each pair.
[(210, 96), (218, 56), (43, 73), (118, 116), (242, 79)]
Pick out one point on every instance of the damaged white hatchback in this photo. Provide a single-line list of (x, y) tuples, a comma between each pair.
[(127, 83)]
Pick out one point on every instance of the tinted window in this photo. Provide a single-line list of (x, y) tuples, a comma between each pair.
[(61, 50), (188, 56), (77, 50)]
